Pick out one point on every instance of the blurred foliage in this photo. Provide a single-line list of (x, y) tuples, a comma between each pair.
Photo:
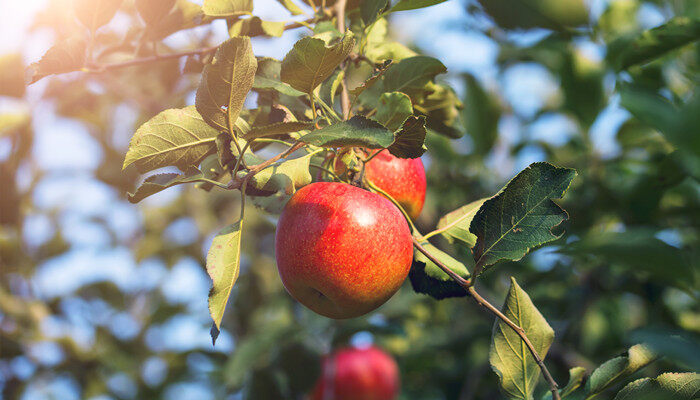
[(625, 272)]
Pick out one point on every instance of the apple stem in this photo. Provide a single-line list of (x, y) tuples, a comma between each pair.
[(469, 287)]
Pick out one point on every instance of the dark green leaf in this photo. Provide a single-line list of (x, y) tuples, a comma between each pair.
[(481, 115), (630, 50), (226, 82), (370, 10), (254, 26), (393, 109), (521, 215), (409, 139), (668, 386), (455, 225), (223, 266), (175, 137), (378, 73), (427, 278), (312, 61), (95, 13), (412, 74), (619, 368), (550, 14), (66, 56), (11, 75), (677, 346), (403, 5), (517, 370), (576, 377), (357, 131)]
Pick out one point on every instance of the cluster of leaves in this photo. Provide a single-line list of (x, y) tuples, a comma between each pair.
[(620, 204)]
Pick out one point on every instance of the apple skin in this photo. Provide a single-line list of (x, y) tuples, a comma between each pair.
[(358, 374), (401, 178), (342, 251)]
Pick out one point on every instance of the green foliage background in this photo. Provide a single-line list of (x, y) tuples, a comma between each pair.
[(624, 272)]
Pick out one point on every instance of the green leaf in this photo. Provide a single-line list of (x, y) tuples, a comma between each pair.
[(278, 128), (311, 61), (393, 109), (152, 11), (223, 266), (668, 386), (227, 8), (410, 138), (427, 278), (558, 15), (158, 182), (649, 45), (619, 368), (521, 215), (291, 7), (254, 26), (336, 84), (226, 82), (576, 377), (370, 10), (404, 5), (639, 251), (517, 370), (357, 131), (376, 75), (676, 346), (12, 75), (482, 113), (175, 137), (455, 225), (411, 74), (95, 13), (65, 56), (288, 175), (184, 15)]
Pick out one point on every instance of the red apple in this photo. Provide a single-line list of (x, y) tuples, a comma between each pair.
[(358, 374), (401, 178), (342, 251)]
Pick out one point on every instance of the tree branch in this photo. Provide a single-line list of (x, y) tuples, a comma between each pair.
[(467, 285)]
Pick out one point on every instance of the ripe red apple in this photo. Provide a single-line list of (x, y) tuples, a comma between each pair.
[(342, 251), (401, 178), (358, 374)]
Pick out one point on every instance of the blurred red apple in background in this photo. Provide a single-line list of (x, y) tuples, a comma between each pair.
[(342, 251), (358, 374)]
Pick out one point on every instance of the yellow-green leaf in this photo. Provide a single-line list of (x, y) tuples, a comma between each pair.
[(227, 8), (223, 266)]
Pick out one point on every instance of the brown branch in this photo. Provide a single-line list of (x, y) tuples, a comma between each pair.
[(344, 95), (467, 285)]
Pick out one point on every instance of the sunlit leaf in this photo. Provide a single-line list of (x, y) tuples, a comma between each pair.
[(576, 377), (522, 215), (619, 368), (455, 225), (288, 175), (668, 386), (159, 182), (254, 26), (516, 368), (278, 128), (13, 122), (227, 8), (223, 266), (312, 61), (226, 83), (184, 15), (403, 5), (175, 137), (66, 56)]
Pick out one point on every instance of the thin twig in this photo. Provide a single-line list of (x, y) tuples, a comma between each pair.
[(467, 285)]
